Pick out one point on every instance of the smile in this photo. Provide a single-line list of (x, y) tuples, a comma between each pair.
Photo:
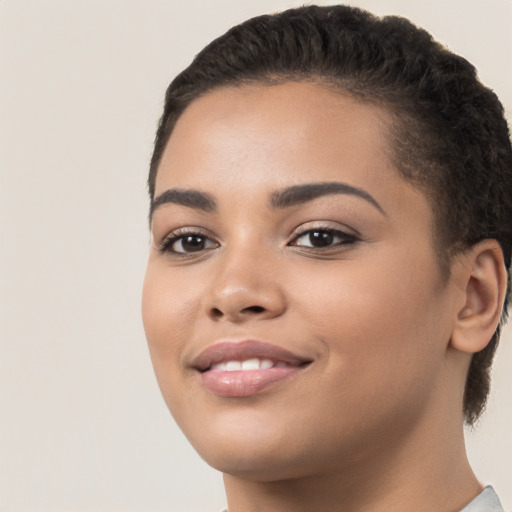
[(248, 365), (244, 369)]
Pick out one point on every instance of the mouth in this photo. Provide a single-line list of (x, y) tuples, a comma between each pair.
[(248, 365), (243, 369)]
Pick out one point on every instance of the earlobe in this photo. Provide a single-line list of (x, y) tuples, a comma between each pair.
[(485, 281)]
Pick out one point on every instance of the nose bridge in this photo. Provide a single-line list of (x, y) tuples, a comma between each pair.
[(244, 283)]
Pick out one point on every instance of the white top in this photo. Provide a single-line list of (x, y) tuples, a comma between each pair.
[(486, 501)]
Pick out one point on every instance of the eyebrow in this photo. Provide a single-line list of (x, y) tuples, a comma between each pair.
[(286, 198), (191, 198), (299, 194)]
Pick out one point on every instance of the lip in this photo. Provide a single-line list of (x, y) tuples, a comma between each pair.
[(245, 383)]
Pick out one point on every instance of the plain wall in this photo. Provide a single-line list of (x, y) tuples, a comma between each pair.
[(82, 423)]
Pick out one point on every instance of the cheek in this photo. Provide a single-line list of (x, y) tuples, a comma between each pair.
[(383, 337), (377, 318), (169, 311), (169, 307)]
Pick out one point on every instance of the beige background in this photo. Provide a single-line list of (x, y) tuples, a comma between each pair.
[(82, 424)]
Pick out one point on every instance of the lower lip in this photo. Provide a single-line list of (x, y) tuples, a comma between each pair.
[(241, 384)]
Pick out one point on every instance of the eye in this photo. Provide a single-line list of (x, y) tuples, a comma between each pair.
[(323, 238), (187, 243)]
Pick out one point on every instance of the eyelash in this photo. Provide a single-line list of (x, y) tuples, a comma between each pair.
[(345, 238), (166, 246)]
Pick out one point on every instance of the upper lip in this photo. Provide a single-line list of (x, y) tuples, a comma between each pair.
[(242, 350)]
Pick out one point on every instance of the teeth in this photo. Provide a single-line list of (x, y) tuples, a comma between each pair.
[(248, 364), (265, 364), (233, 366), (251, 364)]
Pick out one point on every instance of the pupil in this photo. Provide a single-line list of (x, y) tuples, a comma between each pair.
[(320, 238), (193, 243)]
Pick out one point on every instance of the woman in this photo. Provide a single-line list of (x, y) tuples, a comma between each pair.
[(331, 214)]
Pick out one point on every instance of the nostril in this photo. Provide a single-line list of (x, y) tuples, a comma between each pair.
[(254, 309), (216, 313), (236, 314)]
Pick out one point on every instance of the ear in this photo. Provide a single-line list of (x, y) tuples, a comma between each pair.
[(484, 280)]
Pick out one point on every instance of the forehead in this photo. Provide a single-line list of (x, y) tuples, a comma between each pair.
[(259, 138)]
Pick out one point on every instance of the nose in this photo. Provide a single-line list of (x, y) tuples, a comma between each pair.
[(243, 287)]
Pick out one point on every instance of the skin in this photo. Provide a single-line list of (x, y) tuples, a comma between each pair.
[(374, 423)]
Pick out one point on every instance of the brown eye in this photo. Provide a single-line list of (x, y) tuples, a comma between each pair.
[(323, 238), (320, 238), (188, 243)]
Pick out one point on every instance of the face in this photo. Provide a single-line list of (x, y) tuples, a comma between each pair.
[(293, 305)]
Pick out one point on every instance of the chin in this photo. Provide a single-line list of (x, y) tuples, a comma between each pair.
[(258, 454), (242, 456), (256, 465)]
